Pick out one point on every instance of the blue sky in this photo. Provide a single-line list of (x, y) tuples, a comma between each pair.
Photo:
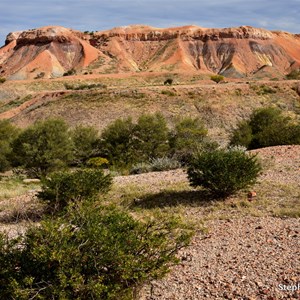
[(104, 14)]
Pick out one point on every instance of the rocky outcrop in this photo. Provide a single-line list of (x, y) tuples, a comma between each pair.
[(234, 52)]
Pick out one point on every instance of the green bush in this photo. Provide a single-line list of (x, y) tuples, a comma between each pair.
[(266, 127), (43, 147), (150, 137), (217, 78), (117, 142), (168, 93), (188, 136), (85, 140), (8, 133), (92, 253), (124, 143), (223, 172), (70, 72), (2, 79), (156, 165), (97, 162), (61, 188)]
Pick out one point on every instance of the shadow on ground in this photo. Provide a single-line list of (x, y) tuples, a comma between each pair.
[(174, 198)]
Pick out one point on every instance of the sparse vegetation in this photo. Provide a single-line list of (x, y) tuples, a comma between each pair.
[(84, 86), (293, 75), (70, 72), (168, 93), (217, 78), (223, 172), (2, 79)]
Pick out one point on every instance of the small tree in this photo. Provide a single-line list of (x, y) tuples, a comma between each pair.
[(223, 172), (188, 136), (85, 139), (150, 137), (8, 133), (217, 78), (117, 142), (43, 147)]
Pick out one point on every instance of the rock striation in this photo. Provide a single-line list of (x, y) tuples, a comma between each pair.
[(234, 52)]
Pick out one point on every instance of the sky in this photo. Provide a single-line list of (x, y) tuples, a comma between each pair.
[(93, 15)]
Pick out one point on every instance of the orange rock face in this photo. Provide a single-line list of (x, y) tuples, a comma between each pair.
[(233, 52)]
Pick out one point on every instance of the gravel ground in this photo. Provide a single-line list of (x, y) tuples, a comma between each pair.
[(243, 258), (240, 259)]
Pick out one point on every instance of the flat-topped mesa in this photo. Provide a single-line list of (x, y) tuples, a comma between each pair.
[(146, 33), (43, 35), (53, 51)]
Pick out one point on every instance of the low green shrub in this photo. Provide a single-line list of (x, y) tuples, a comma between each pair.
[(140, 168), (187, 137), (168, 93), (97, 162), (84, 86), (223, 172), (2, 79), (156, 165), (217, 78), (266, 127), (93, 252), (70, 72), (264, 90), (164, 164), (61, 188)]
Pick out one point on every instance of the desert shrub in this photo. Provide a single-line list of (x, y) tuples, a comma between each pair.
[(61, 188), (156, 164), (187, 136), (8, 133), (43, 147), (293, 75), (150, 137), (140, 168), (264, 90), (70, 72), (117, 142), (2, 79), (217, 78), (124, 143), (164, 164), (97, 162), (168, 93), (223, 172), (266, 127), (84, 86), (93, 252), (168, 81), (85, 140), (242, 135)]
